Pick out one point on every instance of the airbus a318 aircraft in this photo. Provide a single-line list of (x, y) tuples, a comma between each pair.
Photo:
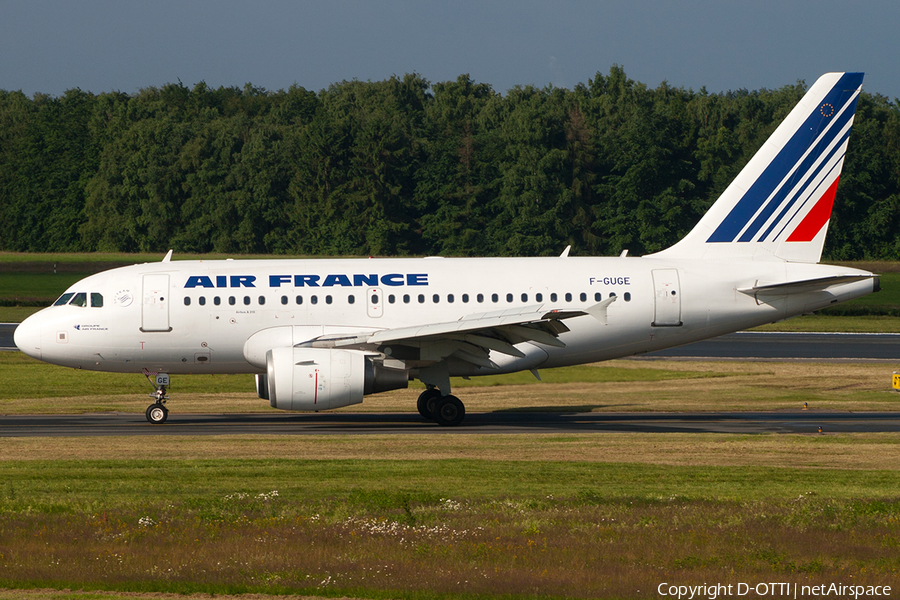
[(321, 334)]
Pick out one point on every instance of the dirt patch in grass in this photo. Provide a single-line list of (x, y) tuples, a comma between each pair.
[(624, 385), (871, 451), (51, 594)]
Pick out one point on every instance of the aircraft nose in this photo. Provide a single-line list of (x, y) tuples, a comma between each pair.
[(27, 337)]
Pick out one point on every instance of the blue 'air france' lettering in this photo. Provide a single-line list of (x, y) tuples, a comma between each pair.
[(235, 281), (330, 280), (355, 280)]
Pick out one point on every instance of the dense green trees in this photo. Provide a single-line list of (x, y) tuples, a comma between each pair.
[(404, 166)]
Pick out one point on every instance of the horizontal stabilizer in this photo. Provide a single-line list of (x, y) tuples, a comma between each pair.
[(804, 286)]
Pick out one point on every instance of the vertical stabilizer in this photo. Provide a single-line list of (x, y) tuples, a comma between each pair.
[(779, 205)]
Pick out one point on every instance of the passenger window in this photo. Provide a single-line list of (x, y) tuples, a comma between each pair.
[(299, 299), (583, 297), (435, 298), (539, 297), (217, 301), (421, 298), (450, 298), (246, 300), (598, 296), (405, 298), (80, 299), (465, 298), (231, 301), (495, 298), (64, 299), (328, 299), (187, 301), (351, 299), (284, 299), (262, 300), (392, 298), (509, 297), (480, 298), (568, 297), (611, 294), (553, 297), (202, 300), (314, 299), (524, 297), (627, 296)]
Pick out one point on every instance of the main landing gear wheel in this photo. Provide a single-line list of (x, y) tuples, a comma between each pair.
[(449, 411), (157, 414), (427, 401)]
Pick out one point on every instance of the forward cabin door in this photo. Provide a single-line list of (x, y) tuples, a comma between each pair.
[(155, 305), (667, 298)]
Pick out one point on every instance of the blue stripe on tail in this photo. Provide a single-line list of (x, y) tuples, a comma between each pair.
[(841, 96)]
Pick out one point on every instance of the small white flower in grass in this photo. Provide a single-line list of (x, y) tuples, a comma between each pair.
[(146, 522)]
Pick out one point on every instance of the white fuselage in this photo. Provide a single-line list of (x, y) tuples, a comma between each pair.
[(195, 316)]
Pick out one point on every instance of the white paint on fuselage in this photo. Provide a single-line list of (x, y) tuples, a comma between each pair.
[(210, 338)]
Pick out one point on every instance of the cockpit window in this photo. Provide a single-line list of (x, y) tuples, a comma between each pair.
[(64, 299), (96, 300), (80, 299)]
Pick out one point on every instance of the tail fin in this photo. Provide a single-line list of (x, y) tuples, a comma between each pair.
[(779, 205)]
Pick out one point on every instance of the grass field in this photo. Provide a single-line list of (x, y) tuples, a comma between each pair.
[(608, 515)]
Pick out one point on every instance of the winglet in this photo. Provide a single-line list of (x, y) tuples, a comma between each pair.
[(168, 256), (565, 253)]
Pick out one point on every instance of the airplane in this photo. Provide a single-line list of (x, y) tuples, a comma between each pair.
[(322, 333)]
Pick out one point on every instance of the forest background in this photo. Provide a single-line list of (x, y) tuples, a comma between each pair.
[(409, 167)]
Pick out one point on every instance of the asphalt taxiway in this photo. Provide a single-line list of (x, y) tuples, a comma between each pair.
[(737, 346), (99, 425)]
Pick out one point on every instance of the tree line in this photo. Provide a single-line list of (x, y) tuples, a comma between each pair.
[(409, 167)]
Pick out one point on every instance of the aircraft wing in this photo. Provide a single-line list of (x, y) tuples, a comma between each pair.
[(473, 336)]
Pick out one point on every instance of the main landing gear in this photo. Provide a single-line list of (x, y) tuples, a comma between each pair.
[(447, 411), (157, 413)]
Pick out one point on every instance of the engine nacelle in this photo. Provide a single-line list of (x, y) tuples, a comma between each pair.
[(323, 378)]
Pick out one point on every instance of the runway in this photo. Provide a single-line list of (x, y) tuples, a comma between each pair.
[(759, 345), (100, 425)]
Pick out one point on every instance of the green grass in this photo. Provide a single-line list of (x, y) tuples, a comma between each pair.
[(24, 377), (92, 486), (462, 528), (28, 286)]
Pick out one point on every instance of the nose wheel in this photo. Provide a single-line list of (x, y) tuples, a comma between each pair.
[(157, 413)]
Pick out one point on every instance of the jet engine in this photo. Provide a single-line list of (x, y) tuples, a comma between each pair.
[(323, 378)]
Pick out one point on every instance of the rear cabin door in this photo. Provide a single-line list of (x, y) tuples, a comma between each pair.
[(667, 298), (155, 305)]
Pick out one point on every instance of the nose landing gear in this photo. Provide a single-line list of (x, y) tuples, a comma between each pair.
[(157, 413)]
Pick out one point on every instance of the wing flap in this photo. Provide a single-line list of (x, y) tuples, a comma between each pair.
[(472, 337)]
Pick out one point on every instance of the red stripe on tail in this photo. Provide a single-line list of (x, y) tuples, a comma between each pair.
[(816, 218)]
